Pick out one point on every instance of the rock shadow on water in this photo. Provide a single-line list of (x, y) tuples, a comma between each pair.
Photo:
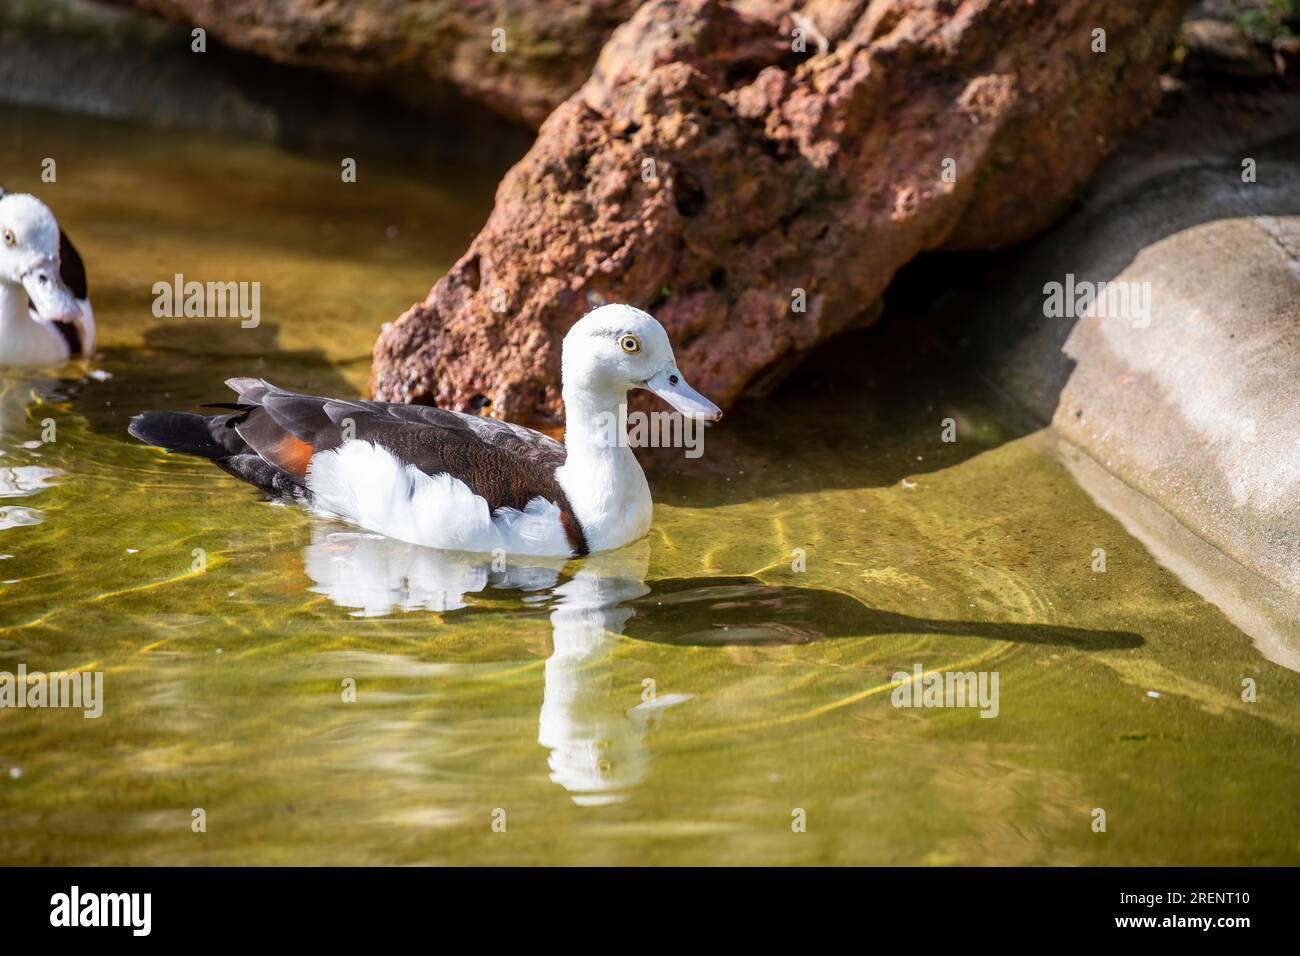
[(728, 611), (189, 360), (865, 411)]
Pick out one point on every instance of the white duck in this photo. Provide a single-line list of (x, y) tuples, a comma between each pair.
[(42, 322), (446, 479)]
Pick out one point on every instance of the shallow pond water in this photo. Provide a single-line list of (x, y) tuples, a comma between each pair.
[(691, 699)]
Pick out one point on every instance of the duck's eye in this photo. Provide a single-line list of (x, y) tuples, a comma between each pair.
[(630, 344), (10, 239)]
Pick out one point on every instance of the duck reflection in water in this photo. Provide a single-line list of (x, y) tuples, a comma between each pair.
[(22, 435), (597, 746)]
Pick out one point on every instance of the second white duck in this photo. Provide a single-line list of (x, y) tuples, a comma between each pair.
[(45, 312)]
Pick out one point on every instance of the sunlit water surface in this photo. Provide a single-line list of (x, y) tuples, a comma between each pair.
[(690, 699)]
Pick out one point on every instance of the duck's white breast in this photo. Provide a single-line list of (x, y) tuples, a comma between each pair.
[(610, 498), (32, 344), (368, 486)]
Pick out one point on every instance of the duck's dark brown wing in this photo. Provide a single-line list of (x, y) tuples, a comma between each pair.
[(507, 465), (71, 333), (270, 436), (71, 269)]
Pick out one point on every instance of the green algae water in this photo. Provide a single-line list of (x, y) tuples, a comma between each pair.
[(721, 692)]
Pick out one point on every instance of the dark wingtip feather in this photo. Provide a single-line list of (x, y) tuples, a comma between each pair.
[(177, 431)]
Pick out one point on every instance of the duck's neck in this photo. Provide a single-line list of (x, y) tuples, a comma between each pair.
[(22, 341), (604, 483), (594, 426)]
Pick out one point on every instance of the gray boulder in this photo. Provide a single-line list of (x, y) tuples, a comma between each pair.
[(1182, 377)]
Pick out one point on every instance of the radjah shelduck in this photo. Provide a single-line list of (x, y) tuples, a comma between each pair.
[(45, 312), (446, 479)]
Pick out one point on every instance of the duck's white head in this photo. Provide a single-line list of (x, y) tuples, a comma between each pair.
[(616, 348), (29, 256)]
